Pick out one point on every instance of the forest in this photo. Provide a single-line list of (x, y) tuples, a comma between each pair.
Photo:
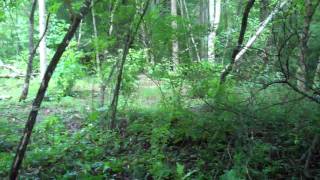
[(160, 89)]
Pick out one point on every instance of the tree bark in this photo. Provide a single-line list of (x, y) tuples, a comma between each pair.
[(214, 18), (304, 38), (175, 43), (236, 50), (183, 7), (203, 18), (42, 46), (32, 53), (16, 164), (98, 61), (80, 34), (316, 79), (129, 40), (105, 81), (25, 90)]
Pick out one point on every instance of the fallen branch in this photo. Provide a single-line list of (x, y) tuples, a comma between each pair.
[(11, 75), (10, 68), (5, 97), (18, 76)]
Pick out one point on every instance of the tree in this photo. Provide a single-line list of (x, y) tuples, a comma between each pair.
[(174, 25), (260, 30), (302, 73), (316, 80), (32, 51), (25, 90), (129, 40), (244, 23), (184, 8), (43, 44), (203, 19), (97, 56), (25, 138), (214, 19)]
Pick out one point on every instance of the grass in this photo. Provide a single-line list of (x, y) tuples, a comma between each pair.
[(84, 101)]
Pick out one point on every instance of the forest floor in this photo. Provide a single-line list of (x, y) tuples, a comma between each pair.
[(157, 141), (84, 99)]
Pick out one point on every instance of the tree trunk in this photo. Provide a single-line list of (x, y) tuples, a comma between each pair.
[(214, 18), (203, 18), (129, 40), (259, 31), (316, 79), (42, 47), (175, 43), (32, 50), (80, 34), (25, 90), (183, 7), (236, 50), (16, 164), (304, 38), (104, 82), (98, 61), (147, 43)]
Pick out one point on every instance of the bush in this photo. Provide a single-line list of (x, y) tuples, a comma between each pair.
[(69, 70)]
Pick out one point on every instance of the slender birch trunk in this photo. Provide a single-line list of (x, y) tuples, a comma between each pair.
[(80, 34), (203, 19), (42, 46), (98, 61), (259, 31), (214, 18), (244, 23), (175, 43), (184, 8)]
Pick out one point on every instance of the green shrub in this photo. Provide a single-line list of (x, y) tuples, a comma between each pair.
[(69, 70)]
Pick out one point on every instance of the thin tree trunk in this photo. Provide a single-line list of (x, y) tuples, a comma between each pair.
[(189, 27), (214, 18), (113, 12), (236, 50), (147, 43), (80, 34), (16, 164), (302, 70), (264, 13), (104, 80), (203, 18), (43, 46), (32, 50), (175, 43), (98, 61), (146, 37), (316, 79), (129, 40)]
